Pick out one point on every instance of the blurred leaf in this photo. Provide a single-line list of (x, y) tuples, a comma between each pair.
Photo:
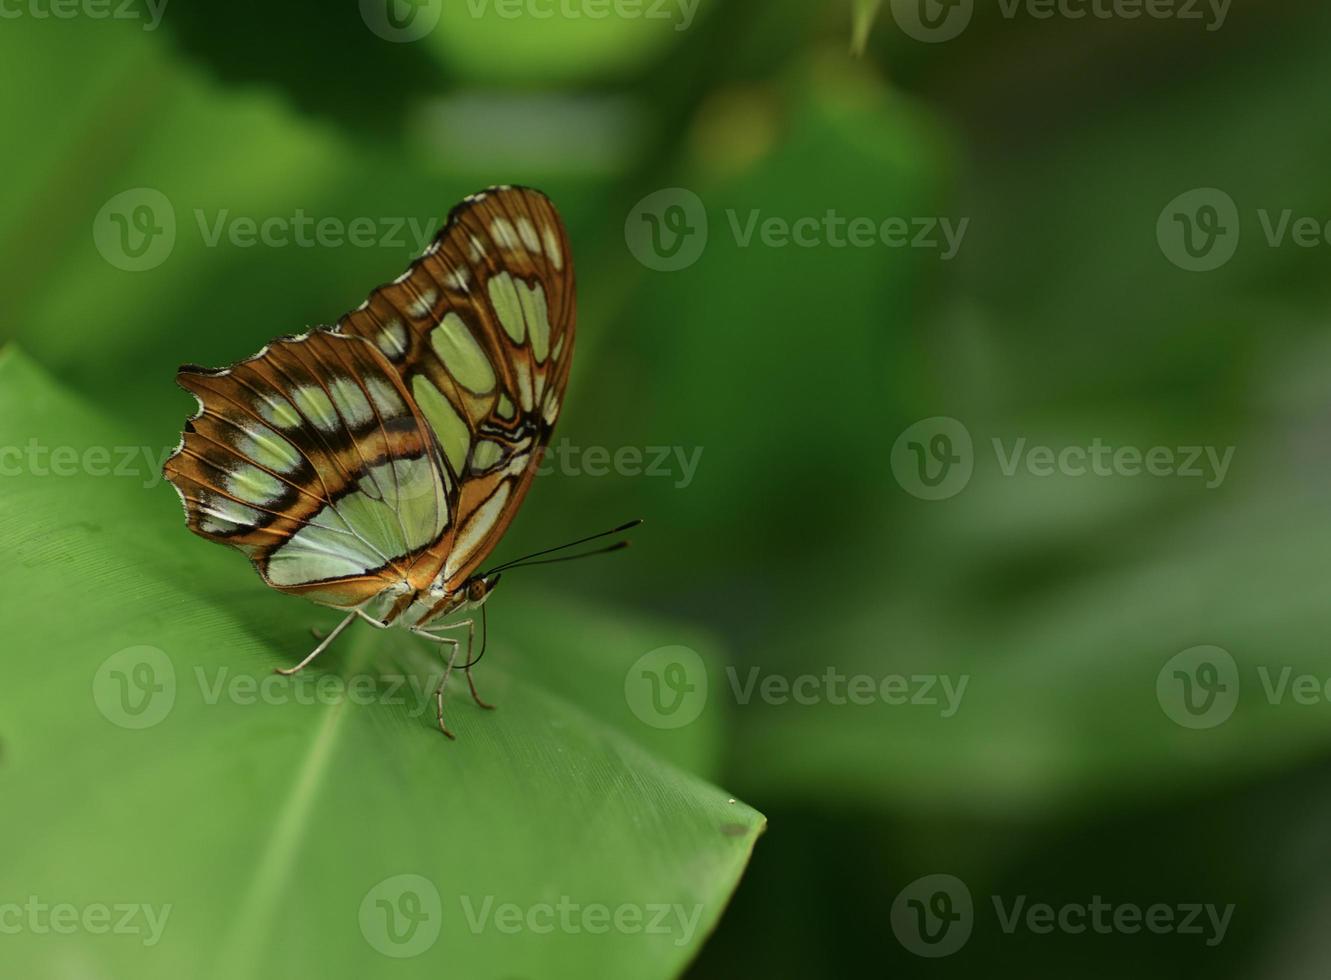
[(764, 365), (265, 811), (1060, 711), (866, 12)]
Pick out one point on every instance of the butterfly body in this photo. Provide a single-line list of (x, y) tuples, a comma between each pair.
[(374, 465), (412, 609)]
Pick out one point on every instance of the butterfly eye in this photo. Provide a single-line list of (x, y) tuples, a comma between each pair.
[(476, 590)]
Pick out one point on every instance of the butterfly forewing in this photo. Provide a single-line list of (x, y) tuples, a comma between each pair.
[(396, 447), (312, 458), (481, 329)]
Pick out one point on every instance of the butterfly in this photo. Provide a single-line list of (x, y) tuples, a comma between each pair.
[(374, 465)]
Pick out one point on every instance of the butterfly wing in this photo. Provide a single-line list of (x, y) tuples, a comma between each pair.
[(481, 329), (312, 458)]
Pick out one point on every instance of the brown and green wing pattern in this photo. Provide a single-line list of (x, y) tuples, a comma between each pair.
[(312, 459), (481, 329)]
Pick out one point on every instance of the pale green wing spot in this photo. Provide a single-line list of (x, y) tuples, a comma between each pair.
[(362, 532), (385, 398), (485, 455), (268, 449), (225, 515), (422, 505), (550, 410), (534, 312), (253, 484), (449, 428), (411, 515), (280, 413), (559, 347), (424, 303), (351, 401), (506, 407), (518, 463), (475, 531), (458, 279), (526, 395), (501, 230), (316, 553), (504, 298), (392, 339), (529, 238), (462, 355), (315, 405), (552, 248)]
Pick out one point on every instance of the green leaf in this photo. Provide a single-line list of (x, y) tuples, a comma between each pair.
[(150, 756)]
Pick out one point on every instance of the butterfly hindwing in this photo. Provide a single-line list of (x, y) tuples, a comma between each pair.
[(481, 330), (312, 458)]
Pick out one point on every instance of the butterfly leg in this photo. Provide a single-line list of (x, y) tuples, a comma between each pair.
[(320, 634), (448, 671), (471, 643), (470, 624), (320, 648)]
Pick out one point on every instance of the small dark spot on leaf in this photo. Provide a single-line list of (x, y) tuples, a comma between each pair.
[(734, 829)]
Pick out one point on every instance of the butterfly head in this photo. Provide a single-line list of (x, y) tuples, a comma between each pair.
[(478, 589), (437, 601)]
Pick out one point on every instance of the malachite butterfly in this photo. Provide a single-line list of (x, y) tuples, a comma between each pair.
[(374, 465)]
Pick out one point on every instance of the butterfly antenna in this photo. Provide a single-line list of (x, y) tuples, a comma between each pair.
[(527, 559), (485, 639)]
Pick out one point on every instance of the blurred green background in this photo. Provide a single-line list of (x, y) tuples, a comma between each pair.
[(1067, 317)]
